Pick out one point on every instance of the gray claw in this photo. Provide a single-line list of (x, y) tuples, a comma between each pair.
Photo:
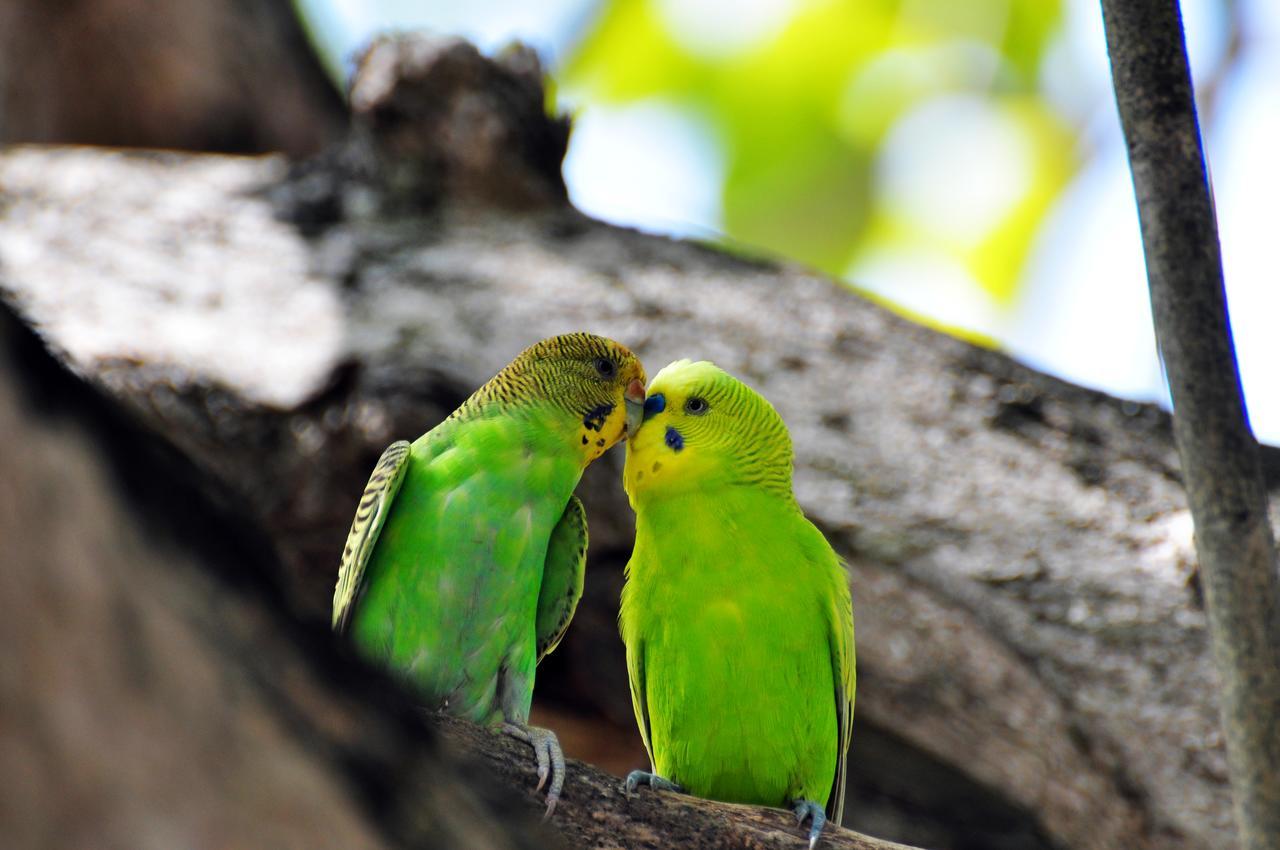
[(546, 749), (636, 778), (806, 809)]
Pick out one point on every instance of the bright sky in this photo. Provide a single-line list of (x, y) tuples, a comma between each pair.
[(1083, 314)]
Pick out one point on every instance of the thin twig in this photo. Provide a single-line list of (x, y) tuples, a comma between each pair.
[(1219, 454)]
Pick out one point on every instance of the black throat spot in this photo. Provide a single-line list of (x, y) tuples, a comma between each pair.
[(594, 418)]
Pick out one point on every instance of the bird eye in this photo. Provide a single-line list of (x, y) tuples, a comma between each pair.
[(696, 406), (605, 367)]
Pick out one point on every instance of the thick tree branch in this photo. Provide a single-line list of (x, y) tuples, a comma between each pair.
[(157, 689), (1219, 454), (213, 75), (595, 812)]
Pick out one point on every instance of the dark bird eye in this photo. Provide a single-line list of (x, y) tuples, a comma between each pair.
[(606, 367), (696, 406)]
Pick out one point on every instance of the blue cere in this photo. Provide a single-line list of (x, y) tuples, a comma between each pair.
[(654, 404), (674, 441)]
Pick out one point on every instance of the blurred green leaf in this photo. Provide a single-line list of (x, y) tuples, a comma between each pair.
[(803, 114), (998, 260)]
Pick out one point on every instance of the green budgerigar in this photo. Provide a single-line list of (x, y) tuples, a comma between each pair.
[(736, 612), (465, 560)]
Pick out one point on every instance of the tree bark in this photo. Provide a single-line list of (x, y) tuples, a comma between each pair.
[(1219, 454), (157, 690), (601, 814), (216, 75), (1033, 663)]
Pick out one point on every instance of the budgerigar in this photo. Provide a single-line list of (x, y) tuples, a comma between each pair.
[(736, 612), (465, 560)]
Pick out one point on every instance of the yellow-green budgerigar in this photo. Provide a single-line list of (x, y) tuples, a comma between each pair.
[(736, 612), (464, 563)]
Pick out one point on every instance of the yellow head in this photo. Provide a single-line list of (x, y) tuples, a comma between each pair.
[(592, 387), (703, 429)]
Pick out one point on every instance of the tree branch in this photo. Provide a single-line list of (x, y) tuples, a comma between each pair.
[(1219, 454), (157, 686), (213, 75), (595, 812)]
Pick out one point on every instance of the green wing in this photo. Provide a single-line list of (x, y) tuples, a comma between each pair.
[(639, 697), (383, 484), (845, 675), (562, 575)]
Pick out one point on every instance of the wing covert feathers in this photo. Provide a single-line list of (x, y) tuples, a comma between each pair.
[(562, 576), (383, 484), (845, 677)]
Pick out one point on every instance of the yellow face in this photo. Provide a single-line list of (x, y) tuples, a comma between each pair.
[(613, 398), (654, 463), (704, 429), (603, 425), (681, 443)]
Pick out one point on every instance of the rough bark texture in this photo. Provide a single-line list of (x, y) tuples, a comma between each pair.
[(604, 816), (1033, 662), (444, 122), (155, 689), (216, 75), (1219, 454)]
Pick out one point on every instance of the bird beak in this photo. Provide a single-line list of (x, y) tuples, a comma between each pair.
[(634, 399)]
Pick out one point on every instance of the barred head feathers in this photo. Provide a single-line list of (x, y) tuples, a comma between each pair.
[(576, 382)]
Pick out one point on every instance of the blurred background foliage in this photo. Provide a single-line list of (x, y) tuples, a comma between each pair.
[(803, 100), (958, 161)]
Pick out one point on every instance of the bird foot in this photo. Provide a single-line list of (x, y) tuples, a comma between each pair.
[(809, 810), (546, 748), (636, 778)]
